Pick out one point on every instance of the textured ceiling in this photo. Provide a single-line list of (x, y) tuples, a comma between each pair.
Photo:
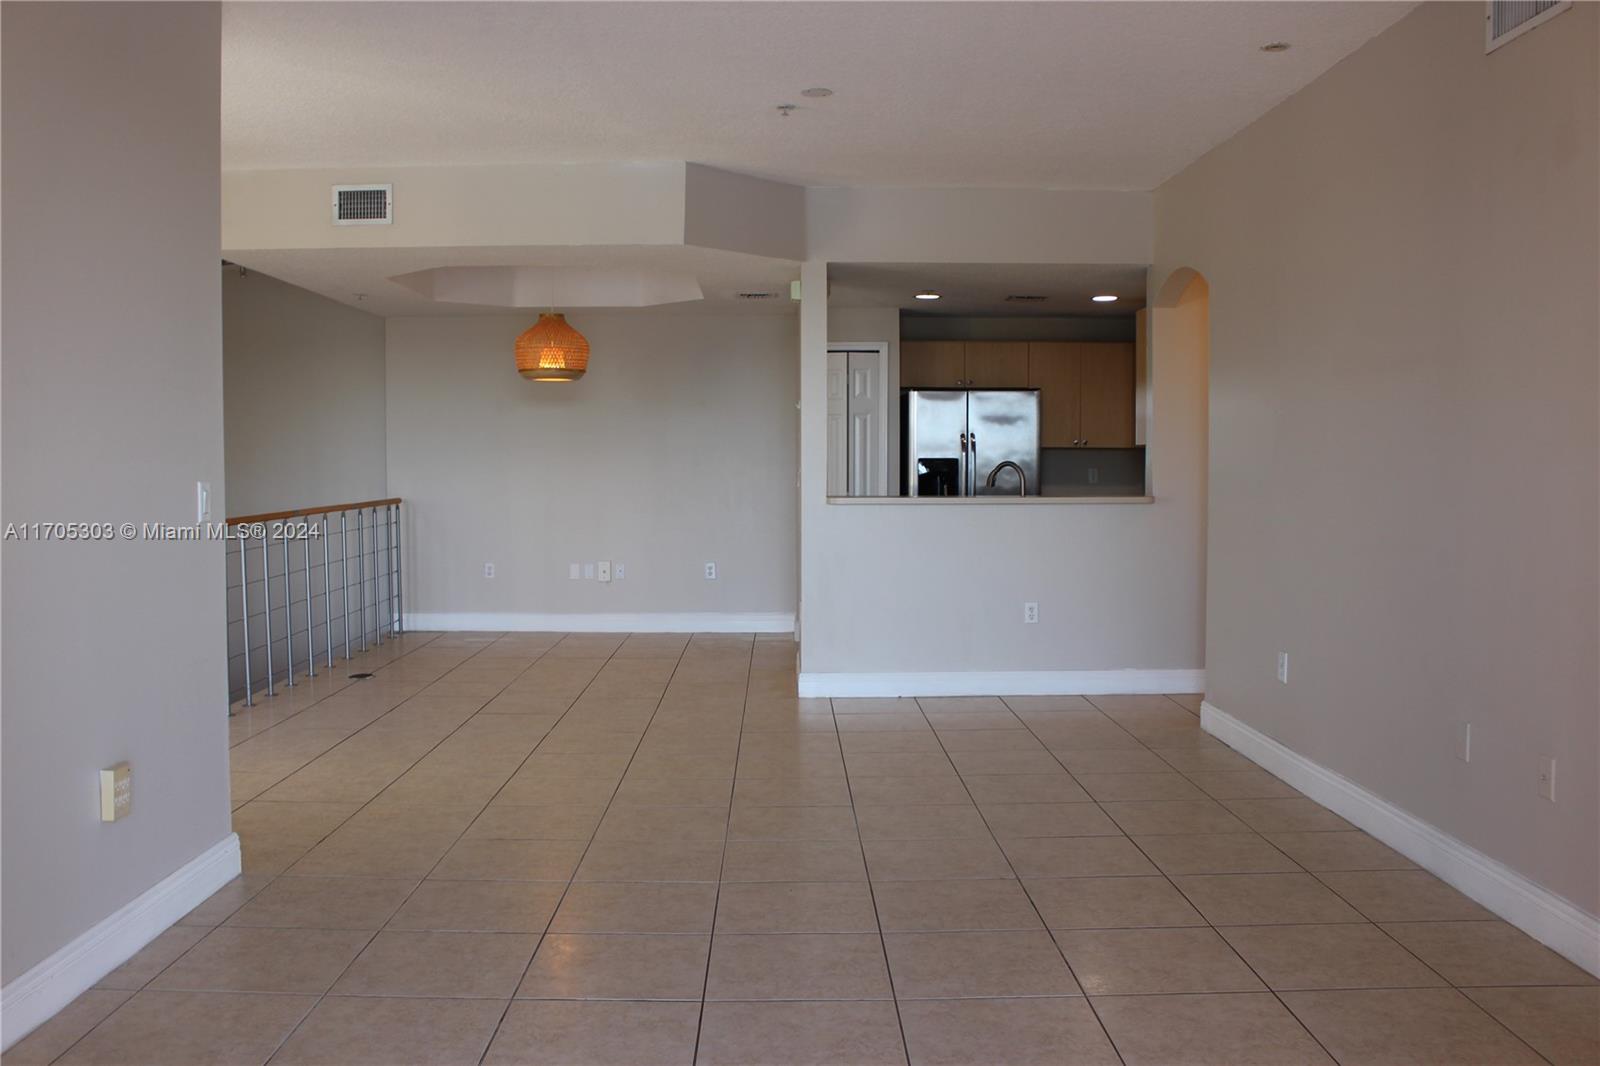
[(982, 288), (1054, 95)]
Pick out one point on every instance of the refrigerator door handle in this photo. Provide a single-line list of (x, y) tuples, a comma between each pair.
[(972, 464), (963, 470)]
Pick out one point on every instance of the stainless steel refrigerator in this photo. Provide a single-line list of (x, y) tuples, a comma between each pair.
[(955, 441)]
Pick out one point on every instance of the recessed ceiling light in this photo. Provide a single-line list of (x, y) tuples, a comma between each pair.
[(1276, 46), (927, 296), (817, 93), (1104, 298)]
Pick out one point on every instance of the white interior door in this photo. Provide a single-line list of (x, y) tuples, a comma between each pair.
[(858, 420), (838, 434)]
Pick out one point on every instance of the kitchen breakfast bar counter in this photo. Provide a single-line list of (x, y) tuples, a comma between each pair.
[(980, 501)]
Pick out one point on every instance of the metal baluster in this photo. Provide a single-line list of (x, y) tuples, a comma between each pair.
[(399, 585), (311, 622), (327, 593), (344, 578), (361, 576), (388, 525), (377, 581), (288, 609), (266, 601), (244, 613)]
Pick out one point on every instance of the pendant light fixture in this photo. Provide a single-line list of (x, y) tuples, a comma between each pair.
[(551, 350)]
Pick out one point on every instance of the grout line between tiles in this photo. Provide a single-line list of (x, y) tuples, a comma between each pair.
[(872, 891), (422, 880), (495, 1032), (994, 839), (727, 825)]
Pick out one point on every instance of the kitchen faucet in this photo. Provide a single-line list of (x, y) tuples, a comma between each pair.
[(1021, 477)]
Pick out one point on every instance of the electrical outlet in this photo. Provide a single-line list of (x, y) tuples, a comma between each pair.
[(603, 570), (488, 570), (1094, 475), (1030, 613), (588, 571), (1464, 742), (1547, 778), (711, 571), (574, 571), (116, 792), (1283, 667), (617, 572)]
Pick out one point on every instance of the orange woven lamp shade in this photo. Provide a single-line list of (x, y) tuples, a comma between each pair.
[(551, 350)]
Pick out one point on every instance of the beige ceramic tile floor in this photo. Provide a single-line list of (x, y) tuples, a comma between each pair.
[(594, 849)]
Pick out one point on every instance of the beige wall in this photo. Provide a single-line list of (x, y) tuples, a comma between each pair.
[(895, 588), (676, 449), (458, 207), (1402, 261), (907, 225), (303, 380), (112, 384)]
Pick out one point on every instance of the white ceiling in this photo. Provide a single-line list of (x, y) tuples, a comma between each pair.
[(982, 288), (1054, 95)]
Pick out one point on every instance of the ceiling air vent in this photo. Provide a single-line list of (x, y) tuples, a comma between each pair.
[(1509, 19), (363, 205), (1020, 298), (757, 295)]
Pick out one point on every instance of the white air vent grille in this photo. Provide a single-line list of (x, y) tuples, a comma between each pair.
[(363, 205), (757, 295), (1509, 19)]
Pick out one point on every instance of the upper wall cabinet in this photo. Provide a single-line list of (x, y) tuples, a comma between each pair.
[(964, 364), (933, 364), (1086, 393), (997, 364)]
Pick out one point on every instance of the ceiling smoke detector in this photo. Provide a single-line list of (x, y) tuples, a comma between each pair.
[(1275, 46), (817, 93)]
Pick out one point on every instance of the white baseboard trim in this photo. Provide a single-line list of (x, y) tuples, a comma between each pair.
[(648, 622), (37, 995), (1003, 683), (1553, 921)]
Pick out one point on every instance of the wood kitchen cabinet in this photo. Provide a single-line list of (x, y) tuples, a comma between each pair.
[(963, 364), (1086, 393), (997, 364), (932, 364), (1105, 392), (1053, 369)]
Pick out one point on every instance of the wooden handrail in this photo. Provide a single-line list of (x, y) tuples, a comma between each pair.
[(275, 516)]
